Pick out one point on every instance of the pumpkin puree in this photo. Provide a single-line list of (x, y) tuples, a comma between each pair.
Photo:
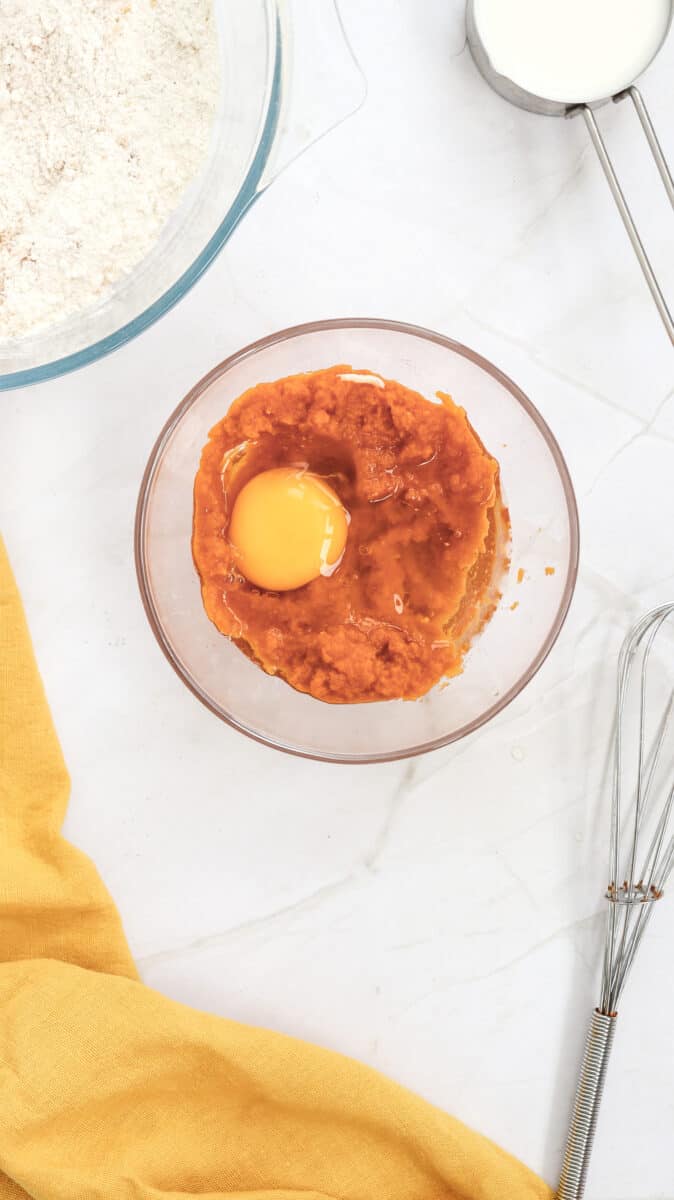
[(425, 547)]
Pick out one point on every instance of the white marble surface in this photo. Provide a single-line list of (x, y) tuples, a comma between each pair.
[(439, 919)]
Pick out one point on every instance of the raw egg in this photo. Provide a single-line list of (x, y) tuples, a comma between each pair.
[(288, 527)]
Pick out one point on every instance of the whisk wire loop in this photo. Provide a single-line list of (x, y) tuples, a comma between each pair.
[(632, 892)]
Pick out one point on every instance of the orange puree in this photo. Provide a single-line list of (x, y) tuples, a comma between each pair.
[(425, 544)]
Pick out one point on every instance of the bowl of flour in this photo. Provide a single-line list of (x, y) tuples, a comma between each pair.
[(134, 134)]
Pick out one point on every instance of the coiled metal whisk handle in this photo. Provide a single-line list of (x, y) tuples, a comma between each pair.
[(586, 1107)]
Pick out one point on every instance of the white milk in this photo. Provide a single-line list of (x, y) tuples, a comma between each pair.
[(571, 50)]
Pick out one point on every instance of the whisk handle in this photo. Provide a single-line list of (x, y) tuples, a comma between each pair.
[(586, 1107)]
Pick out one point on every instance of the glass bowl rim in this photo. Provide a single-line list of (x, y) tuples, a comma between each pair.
[(418, 331)]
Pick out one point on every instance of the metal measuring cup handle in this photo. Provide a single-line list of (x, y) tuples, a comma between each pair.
[(583, 1122), (517, 95), (618, 194)]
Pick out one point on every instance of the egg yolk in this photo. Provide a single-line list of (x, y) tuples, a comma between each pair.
[(288, 528)]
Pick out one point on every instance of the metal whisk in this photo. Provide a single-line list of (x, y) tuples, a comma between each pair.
[(640, 861)]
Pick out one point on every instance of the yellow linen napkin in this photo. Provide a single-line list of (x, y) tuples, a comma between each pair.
[(109, 1091)]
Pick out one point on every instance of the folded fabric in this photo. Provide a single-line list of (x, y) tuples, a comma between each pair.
[(109, 1091)]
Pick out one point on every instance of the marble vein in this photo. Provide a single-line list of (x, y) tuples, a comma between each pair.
[(525, 348), (478, 977), (645, 431), (302, 905), (366, 865), (395, 804), (570, 176)]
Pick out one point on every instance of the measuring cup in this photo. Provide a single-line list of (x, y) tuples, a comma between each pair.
[(575, 106)]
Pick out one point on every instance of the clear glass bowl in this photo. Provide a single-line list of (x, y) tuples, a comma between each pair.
[(288, 75), (503, 658)]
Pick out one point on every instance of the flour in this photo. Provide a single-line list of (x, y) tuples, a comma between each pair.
[(106, 112)]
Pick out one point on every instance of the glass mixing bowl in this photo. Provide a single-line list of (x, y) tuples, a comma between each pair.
[(535, 594), (288, 75)]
